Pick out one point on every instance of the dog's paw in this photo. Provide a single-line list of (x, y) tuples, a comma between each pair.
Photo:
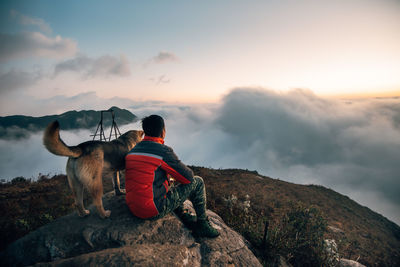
[(84, 213), (107, 213)]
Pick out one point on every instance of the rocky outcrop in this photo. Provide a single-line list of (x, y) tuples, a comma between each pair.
[(333, 253), (349, 263), (125, 240)]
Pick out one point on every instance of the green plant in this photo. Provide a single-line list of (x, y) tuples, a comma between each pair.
[(241, 216), (22, 224), (298, 237), (45, 218)]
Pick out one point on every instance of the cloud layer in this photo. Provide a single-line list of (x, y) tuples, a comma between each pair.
[(34, 44), (17, 79), (164, 57), (87, 67), (27, 20), (308, 138), (351, 147)]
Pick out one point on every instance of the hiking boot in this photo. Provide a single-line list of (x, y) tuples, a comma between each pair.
[(203, 228), (187, 218)]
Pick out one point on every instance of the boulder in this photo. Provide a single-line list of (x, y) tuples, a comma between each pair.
[(125, 240), (349, 263)]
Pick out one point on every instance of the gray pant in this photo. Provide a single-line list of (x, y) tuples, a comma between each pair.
[(195, 192)]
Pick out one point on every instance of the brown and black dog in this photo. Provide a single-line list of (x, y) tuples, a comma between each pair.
[(89, 161)]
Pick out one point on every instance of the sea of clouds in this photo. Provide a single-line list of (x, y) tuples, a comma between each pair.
[(351, 146)]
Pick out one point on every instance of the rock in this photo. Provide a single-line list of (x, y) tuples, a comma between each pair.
[(335, 229), (332, 251), (125, 240), (283, 262), (349, 263)]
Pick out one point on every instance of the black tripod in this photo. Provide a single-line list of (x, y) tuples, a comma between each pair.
[(113, 131), (114, 127)]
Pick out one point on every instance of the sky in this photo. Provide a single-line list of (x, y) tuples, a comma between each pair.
[(197, 51), (304, 91)]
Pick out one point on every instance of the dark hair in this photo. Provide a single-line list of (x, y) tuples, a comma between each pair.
[(153, 125)]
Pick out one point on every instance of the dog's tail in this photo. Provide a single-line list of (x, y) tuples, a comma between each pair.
[(54, 144)]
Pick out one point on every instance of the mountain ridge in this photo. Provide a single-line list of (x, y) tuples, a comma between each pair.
[(359, 232), (21, 126)]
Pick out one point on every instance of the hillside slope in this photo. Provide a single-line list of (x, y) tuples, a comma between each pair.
[(360, 233)]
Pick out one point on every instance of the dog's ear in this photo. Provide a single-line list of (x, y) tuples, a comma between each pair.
[(141, 133)]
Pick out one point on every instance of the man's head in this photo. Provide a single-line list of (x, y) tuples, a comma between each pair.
[(154, 126)]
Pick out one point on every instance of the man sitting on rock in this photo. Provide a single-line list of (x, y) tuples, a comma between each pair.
[(149, 165)]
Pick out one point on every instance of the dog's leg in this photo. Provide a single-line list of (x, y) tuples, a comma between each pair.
[(79, 201), (76, 188), (97, 194), (96, 190), (116, 183)]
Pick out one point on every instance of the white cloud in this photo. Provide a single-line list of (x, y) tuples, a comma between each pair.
[(350, 147), (17, 79), (36, 159), (164, 57), (26, 20), (104, 66), (297, 136), (162, 79), (34, 44)]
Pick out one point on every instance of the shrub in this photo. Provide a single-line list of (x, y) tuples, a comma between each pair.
[(46, 218), (243, 218), (23, 225), (43, 177), (19, 179), (298, 237)]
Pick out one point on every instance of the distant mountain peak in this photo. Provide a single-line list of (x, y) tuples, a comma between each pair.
[(20, 126)]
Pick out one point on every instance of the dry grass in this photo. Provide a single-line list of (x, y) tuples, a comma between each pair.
[(25, 206), (367, 236)]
